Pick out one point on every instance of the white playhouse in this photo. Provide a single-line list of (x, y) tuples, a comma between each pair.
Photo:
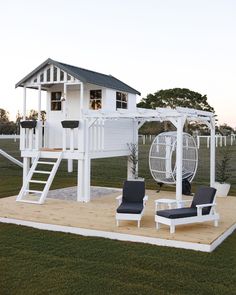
[(91, 115)]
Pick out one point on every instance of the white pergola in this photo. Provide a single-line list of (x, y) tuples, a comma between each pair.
[(178, 117)]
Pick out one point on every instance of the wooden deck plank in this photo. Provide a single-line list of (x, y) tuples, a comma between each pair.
[(99, 214)]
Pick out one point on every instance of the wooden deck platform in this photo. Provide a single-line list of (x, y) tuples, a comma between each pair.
[(97, 218)]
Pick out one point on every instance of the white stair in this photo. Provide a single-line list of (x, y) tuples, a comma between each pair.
[(38, 196)]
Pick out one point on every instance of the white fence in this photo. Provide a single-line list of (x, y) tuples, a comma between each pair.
[(220, 140), (12, 136)]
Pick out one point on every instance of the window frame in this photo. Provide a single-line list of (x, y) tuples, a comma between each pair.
[(55, 102), (121, 100), (95, 100)]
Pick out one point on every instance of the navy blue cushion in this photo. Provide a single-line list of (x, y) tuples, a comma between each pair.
[(133, 191), (178, 213), (130, 208), (204, 195)]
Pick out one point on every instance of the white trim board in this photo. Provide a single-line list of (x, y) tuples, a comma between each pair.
[(123, 237)]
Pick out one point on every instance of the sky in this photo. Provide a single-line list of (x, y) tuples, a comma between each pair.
[(150, 45)]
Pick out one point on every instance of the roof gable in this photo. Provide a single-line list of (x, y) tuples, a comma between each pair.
[(83, 75)]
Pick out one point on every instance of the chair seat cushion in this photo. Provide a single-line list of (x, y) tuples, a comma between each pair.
[(178, 213), (130, 208)]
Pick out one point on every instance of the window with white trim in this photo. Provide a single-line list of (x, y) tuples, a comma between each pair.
[(55, 101), (121, 100), (95, 102)]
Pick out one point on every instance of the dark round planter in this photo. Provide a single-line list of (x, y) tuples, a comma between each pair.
[(28, 124), (70, 124)]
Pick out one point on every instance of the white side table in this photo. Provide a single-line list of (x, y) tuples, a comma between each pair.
[(163, 203), (169, 203)]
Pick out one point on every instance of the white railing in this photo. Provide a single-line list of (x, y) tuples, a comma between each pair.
[(72, 133), (96, 136), (32, 139)]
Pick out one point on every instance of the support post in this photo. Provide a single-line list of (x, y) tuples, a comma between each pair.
[(38, 130), (87, 179), (70, 161), (80, 178), (179, 159), (24, 103), (39, 102), (22, 138), (212, 153), (87, 163), (81, 97), (26, 167), (65, 101)]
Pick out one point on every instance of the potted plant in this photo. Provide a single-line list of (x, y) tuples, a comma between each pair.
[(133, 160), (223, 173)]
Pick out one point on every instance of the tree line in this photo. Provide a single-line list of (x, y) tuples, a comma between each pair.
[(8, 126)]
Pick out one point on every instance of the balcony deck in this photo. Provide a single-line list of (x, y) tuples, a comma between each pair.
[(97, 218)]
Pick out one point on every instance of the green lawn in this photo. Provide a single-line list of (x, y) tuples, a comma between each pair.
[(105, 172), (40, 262)]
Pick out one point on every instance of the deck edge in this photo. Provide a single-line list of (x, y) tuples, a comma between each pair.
[(222, 237), (122, 236)]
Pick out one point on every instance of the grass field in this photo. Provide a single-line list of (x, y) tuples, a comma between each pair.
[(40, 262), (109, 172)]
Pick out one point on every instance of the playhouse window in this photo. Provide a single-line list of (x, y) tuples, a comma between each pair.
[(41, 77), (121, 100), (95, 99), (54, 74), (48, 75), (56, 101), (61, 76)]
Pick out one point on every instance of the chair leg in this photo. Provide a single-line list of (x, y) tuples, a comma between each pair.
[(157, 225), (216, 223), (117, 222)]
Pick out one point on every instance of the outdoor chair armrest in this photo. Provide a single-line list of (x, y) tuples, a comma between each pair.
[(145, 199), (201, 206), (119, 199)]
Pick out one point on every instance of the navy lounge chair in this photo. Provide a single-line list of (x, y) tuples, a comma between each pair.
[(132, 202), (202, 209)]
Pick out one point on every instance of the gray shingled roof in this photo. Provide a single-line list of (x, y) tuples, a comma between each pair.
[(85, 76)]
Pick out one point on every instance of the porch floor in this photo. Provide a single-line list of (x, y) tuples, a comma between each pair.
[(97, 218)]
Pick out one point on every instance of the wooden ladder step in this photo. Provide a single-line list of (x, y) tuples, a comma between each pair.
[(46, 163), (42, 172), (37, 181), (33, 191)]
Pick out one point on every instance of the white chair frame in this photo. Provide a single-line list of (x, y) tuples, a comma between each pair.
[(212, 216), (126, 216)]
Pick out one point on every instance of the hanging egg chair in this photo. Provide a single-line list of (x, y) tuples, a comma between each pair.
[(162, 157)]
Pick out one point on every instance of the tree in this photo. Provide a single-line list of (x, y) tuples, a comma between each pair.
[(225, 129), (33, 115), (176, 97), (6, 126), (4, 116)]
